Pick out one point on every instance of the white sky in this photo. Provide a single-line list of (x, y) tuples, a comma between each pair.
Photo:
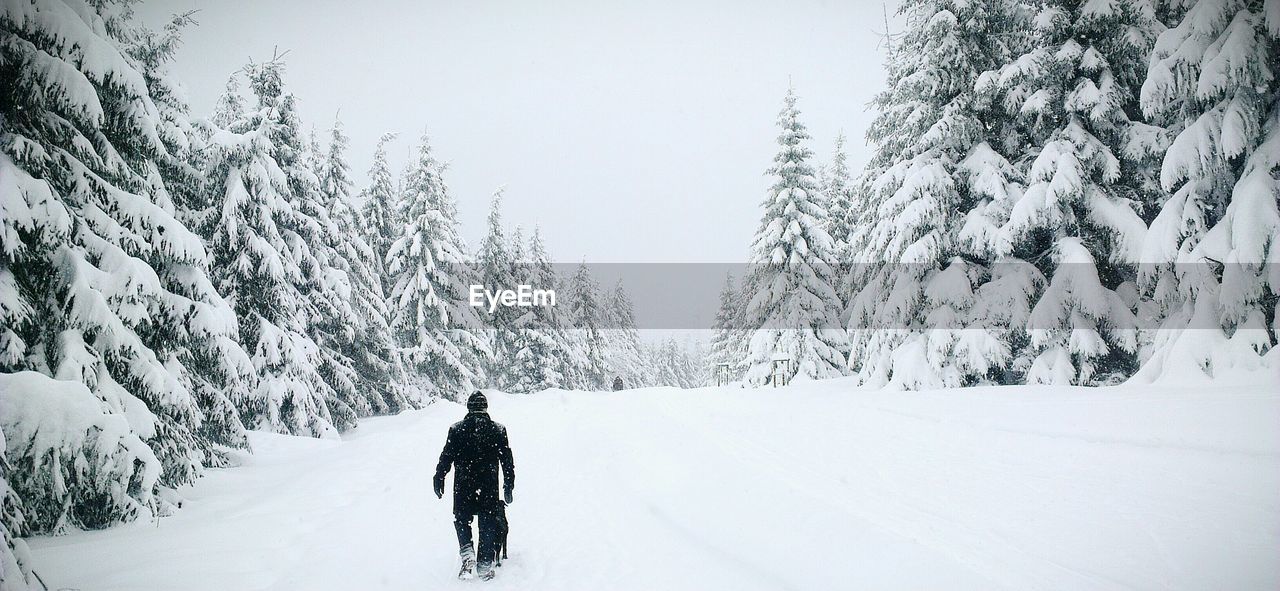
[(630, 131)]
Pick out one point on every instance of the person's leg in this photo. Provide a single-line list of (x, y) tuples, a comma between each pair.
[(488, 526), (462, 525)]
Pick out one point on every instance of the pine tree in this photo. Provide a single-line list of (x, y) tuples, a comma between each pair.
[(519, 258), (94, 264), (842, 217), (15, 557), (325, 284), (540, 353), (438, 331), (82, 465), (697, 371), (793, 302), (213, 365), (930, 202), (1212, 85), (230, 107), (370, 345), (382, 220), (518, 272), (585, 318), (837, 194), (258, 234), (498, 270), (676, 366), (662, 361), (621, 338), (730, 340), (1070, 95)]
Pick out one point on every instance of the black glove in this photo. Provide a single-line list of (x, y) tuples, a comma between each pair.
[(439, 489), (508, 495)]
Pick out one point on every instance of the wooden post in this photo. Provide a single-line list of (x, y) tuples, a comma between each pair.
[(781, 371)]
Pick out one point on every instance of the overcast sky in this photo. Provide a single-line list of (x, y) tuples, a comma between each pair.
[(630, 131)]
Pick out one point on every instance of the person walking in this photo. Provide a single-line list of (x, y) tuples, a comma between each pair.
[(476, 448)]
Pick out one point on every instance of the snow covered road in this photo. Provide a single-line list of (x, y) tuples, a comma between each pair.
[(809, 487)]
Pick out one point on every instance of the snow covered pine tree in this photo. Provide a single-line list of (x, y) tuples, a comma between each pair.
[(216, 366), (499, 271), (1070, 94), (370, 345), (730, 339), (792, 296), (541, 349), (382, 211), (1209, 257), (106, 307), (585, 317), (924, 277), (438, 331), (258, 233), (622, 339)]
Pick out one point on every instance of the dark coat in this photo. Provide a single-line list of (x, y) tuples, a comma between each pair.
[(476, 448)]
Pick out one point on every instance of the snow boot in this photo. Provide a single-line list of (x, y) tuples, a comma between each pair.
[(468, 564), (486, 572)]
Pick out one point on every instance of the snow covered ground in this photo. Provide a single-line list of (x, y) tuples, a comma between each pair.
[(809, 487)]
